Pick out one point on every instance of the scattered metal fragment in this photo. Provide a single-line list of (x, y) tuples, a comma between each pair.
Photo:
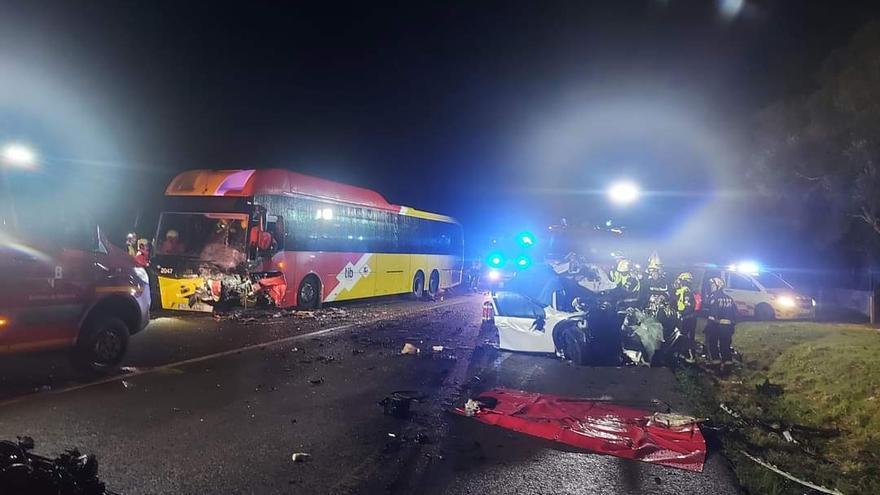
[(300, 457), (791, 477), (409, 349)]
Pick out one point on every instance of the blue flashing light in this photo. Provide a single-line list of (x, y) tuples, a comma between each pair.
[(526, 239), (523, 262), (495, 260)]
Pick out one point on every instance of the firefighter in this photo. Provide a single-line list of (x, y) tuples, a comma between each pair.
[(721, 314), (686, 306), (655, 288), (142, 258), (131, 244), (623, 276)]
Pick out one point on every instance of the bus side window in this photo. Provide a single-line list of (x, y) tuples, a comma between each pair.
[(275, 226)]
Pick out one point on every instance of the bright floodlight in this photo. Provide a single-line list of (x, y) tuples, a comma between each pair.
[(623, 193), (19, 155)]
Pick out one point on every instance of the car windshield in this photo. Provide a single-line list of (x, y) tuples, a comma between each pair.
[(216, 237), (771, 281)]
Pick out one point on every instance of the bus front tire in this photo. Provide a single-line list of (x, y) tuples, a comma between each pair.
[(418, 287), (309, 294), (434, 284)]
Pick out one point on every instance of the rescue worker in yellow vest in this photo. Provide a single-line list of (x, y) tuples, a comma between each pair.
[(624, 278), (686, 308), (721, 314)]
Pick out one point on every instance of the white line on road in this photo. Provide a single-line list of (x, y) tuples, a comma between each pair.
[(238, 350)]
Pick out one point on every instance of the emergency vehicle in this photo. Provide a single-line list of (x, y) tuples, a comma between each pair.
[(757, 293)]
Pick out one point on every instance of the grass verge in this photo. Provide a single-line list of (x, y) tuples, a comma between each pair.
[(830, 374)]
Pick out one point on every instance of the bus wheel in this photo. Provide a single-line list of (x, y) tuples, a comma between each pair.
[(418, 287), (309, 293), (434, 284)]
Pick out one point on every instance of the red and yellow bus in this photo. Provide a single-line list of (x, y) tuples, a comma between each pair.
[(295, 240)]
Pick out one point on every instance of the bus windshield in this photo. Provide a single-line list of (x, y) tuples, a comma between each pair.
[(218, 237)]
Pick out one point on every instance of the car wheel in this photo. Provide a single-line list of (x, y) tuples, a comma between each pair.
[(434, 284), (573, 346), (309, 294), (418, 287), (101, 345), (765, 312)]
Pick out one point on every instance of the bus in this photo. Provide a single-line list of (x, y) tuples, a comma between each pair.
[(292, 240)]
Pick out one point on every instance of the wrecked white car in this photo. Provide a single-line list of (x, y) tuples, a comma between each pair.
[(525, 325), (579, 318)]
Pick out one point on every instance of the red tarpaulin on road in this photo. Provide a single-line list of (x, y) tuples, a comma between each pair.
[(597, 426)]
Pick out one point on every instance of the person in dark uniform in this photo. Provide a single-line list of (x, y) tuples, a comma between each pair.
[(721, 314)]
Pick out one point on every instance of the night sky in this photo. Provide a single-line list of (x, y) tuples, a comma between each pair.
[(500, 113)]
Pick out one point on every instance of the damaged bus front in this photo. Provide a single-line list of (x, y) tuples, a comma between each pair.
[(278, 238), (209, 251)]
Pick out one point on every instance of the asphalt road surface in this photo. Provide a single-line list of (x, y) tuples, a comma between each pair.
[(220, 406)]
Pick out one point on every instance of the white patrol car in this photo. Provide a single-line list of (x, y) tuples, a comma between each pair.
[(758, 294)]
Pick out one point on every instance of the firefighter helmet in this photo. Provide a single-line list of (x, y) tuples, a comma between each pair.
[(685, 278), (716, 283), (654, 263), (171, 233), (624, 265)]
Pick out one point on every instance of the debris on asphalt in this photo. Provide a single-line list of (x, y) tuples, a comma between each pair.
[(128, 369), (437, 348), (422, 438), (392, 435), (128, 384), (398, 403), (355, 352), (471, 407), (316, 381), (409, 349), (300, 457)]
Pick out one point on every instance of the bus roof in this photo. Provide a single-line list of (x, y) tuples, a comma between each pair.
[(243, 183)]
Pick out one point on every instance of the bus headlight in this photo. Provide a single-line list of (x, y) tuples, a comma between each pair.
[(786, 301), (142, 274)]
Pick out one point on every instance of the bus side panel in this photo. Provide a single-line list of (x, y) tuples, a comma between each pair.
[(346, 275), (393, 273)]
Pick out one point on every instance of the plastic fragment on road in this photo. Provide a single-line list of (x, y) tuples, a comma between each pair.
[(437, 348), (300, 457), (789, 476), (597, 426), (409, 349)]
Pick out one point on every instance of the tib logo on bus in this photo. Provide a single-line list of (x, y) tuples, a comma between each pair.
[(353, 272)]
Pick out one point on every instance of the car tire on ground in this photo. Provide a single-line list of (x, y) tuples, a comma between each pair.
[(433, 285), (418, 286), (101, 345), (573, 345), (765, 312), (308, 296)]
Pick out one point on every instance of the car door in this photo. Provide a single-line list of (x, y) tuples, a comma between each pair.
[(521, 324), (745, 294)]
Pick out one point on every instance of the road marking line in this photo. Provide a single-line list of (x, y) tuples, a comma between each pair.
[(238, 350)]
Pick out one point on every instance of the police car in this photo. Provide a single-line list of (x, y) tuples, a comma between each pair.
[(757, 293)]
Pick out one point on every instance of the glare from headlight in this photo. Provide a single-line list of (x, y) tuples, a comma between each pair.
[(814, 302), (786, 301), (142, 274), (494, 275)]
